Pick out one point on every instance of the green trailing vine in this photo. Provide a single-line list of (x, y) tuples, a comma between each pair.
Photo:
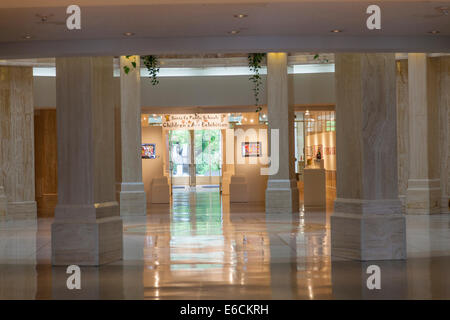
[(320, 59), (254, 63), (152, 65), (126, 69)]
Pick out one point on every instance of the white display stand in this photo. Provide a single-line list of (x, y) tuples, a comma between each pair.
[(315, 187), (238, 189), (160, 190)]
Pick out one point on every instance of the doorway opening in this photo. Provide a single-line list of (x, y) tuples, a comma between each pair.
[(195, 158)]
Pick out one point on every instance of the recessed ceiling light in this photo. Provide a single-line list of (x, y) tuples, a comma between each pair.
[(234, 32), (240, 15), (336, 31), (27, 37), (128, 34), (434, 32)]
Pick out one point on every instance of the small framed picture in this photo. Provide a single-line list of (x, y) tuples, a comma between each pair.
[(251, 149), (148, 151)]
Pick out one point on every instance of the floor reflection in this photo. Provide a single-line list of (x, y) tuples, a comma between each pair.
[(201, 247)]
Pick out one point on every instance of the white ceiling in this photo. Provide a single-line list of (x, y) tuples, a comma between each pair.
[(193, 26)]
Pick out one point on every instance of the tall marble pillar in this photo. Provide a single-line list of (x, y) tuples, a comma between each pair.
[(367, 223), (423, 195), (130, 188), (444, 116), (87, 229), (16, 143), (402, 129), (281, 193)]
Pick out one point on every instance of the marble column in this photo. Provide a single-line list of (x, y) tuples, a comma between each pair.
[(3, 203), (367, 223), (444, 116), (402, 129), (17, 143), (423, 195), (87, 229), (281, 193), (130, 188)]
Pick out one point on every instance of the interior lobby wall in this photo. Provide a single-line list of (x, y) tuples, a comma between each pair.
[(152, 168), (311, 88), (44, 92), (250, 166)]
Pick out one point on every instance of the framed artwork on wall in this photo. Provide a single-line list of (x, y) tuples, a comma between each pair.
[(251, 149), (148, 151)]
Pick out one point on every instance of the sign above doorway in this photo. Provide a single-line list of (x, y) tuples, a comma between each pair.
[(197, 121)]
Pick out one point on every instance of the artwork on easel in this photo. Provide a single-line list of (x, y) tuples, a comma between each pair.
[(148, 151), (251, 149)]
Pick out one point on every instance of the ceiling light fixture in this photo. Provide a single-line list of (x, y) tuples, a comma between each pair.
[(128, 34), (27, 37), (233, 32), (434, 32), (336, 31), (240, 16)]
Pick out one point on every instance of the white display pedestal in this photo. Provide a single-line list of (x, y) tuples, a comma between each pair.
[(314, 188)]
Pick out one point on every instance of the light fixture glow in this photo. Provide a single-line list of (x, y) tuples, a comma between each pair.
[(234, 32), (434, 32), (128, 34), (27, 37), (336, 31), (240, 15)]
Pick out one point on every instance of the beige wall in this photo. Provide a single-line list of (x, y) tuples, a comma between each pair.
[(250, 166), (152, 168), (313, 88)]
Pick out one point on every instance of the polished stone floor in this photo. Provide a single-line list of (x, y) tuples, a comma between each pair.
[(200, 247)]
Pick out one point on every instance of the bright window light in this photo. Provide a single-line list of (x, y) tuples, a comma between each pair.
[(206, 72)]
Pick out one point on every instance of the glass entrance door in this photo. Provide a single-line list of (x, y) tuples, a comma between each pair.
[(195, 157), (179, 155), (208, 157)]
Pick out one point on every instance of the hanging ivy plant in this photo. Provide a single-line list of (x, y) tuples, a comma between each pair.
[(126, 69), (320, 59), (152, 65), (254, 63)]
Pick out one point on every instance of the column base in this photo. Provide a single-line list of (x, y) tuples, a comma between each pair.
[(132, 199), (3, 203), (282, 196), (423, 196), (368, 230), (90, 238), (21, 210), (445, 205)]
